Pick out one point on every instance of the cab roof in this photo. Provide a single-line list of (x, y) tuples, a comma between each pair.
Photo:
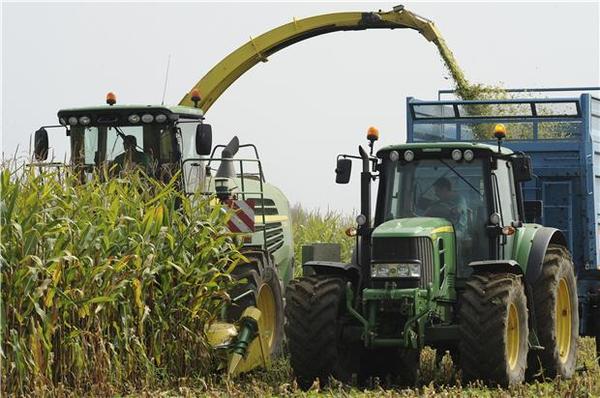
[(445, 145), (181, 111)]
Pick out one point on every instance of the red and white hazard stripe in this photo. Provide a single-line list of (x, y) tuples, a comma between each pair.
[(243, 219)]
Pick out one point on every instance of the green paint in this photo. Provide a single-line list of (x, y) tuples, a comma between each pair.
[(523, 242), (410, 227)]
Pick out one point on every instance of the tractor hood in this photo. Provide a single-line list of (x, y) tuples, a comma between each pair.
[(413, 227)]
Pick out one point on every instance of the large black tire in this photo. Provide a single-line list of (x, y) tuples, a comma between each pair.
[(315, 309), (598, 345), (494, 330), (254, 276), (558, 358)]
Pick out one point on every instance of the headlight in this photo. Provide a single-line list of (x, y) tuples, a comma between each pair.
[(456, 155), (134, 118), (409, 155), (401, 270), (84, 120), (73, 121), (469, 155), (160, 118), (361, 219), (495, 219), (62, 121), (147, 118)]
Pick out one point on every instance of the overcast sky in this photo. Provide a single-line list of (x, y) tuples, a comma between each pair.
[(311, 101)]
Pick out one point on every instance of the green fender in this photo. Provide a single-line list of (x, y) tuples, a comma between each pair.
[(530, 249)]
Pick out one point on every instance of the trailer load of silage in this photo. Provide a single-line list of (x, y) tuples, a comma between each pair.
[(465, 90), (111, 282)]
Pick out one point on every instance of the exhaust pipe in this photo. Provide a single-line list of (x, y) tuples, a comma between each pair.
[(226, 171)]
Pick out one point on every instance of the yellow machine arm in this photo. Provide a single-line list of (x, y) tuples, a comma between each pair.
[(222, 75)]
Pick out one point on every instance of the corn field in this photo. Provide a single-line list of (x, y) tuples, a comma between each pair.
[(107, 288), (111, 282)]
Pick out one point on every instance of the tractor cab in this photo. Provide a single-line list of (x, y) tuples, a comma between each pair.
[(465, 198), (153, 138), (473, 188)]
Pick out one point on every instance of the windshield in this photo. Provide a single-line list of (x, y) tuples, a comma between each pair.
[(151, 147), (440, 188)]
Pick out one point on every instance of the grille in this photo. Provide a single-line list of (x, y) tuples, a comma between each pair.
[(265, 207), (274, 234), (404, 249)]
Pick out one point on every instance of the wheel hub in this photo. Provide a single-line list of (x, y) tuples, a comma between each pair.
[(512, 336), (563, 320), (267, 322)]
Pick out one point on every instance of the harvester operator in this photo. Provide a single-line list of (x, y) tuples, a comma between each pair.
[(131, 157), (450, 205)]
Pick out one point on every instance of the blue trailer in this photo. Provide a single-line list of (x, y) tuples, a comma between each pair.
[(562, 136)]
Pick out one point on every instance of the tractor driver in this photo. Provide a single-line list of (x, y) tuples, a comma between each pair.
[(131, 157), (450, 205)]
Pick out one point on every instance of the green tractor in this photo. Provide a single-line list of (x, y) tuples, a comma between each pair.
[(175, 142), (447, 262)]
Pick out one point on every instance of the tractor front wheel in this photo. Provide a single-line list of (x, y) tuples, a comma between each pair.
[(557, 316), (494, 331), (315, 308)]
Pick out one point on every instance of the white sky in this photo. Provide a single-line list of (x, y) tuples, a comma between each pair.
[(310, 102)]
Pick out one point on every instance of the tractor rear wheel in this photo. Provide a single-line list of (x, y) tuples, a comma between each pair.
[(259, 287), (494, 331), (557, 316), (315, 309), (598, 344)]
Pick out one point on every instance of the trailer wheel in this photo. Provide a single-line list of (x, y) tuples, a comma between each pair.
[(594, 319), (557, 316), (263, 291), (494, 331), (315, 309)]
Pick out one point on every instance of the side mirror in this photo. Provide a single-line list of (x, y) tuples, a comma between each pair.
[(522, 168), (40, 144), (203, 139), (343, 171), (533, 210)]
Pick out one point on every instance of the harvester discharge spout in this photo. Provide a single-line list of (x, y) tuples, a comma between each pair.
[(258, 49)]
